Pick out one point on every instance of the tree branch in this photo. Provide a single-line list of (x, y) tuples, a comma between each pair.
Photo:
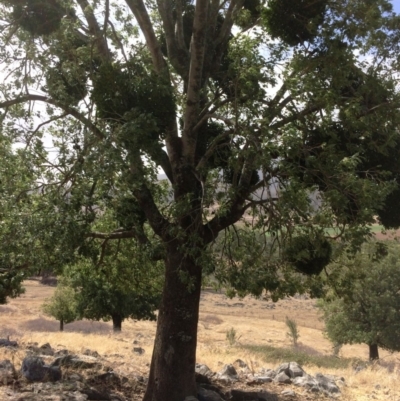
[(294, 117), (226, 28), (177, 55), (95, 30), (139, 11), (67, 109), (197, 49)]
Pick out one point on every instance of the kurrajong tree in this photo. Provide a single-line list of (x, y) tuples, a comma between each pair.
[(364, 303), (277, 115), (119, 281)]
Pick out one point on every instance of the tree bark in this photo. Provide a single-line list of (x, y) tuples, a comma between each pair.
[(117, 323), (61, 325), (172, 371), (373, 352)]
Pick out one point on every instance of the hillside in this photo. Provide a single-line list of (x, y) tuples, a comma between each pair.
[(259, 326)]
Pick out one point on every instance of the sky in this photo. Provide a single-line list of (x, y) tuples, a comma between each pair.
[(396, 5)]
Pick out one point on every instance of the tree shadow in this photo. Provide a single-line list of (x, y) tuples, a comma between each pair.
[(83, 326)]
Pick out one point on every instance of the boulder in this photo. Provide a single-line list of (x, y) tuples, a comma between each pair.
[(33, 368), (240, 395), (5, 342), (208, 395), (203, 370), (282, 377), (7, 372), (228, 374), (291, 369), (327, 384)]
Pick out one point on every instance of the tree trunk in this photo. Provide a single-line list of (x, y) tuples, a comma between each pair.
[(172, 371), (61, 325), (117, 323), (373, 352)]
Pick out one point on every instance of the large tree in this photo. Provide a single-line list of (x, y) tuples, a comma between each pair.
[(364, 307), (282, 115)]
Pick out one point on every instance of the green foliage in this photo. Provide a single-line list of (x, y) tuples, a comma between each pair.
[(294, 21), (122, 282), (231, 336), (309, 254), (65, 84), (10, 284), (62, 305), (293, 333), (365, 308), (273, 144), (39, 17), (121, 88)]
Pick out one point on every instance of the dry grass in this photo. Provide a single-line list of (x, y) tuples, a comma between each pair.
[(257, 323)]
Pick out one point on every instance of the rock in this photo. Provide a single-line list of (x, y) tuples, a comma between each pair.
[(282, 377), (89, 352), (138, 350), (240, 395), (109, 378), (259, 380), (291, 369), (46, 349), (268, 372), (7, 372), (240, 363), (5, 342), (191, 398), (33, 368), (61, 352), (70, 396), (203, 370), (305, 381), (208, 395), (288, 393), (327, 384), (228, 374), (76, 362)]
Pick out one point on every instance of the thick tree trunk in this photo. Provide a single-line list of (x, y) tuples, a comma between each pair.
[(172, 371), (373, 352), (117, 323), (61, 325)]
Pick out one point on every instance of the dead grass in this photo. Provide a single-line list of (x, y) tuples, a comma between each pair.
[(258, 323)]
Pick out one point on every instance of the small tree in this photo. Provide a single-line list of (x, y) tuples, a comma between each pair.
[(293, 332), (62, 305), (120, 282), (366, 306)]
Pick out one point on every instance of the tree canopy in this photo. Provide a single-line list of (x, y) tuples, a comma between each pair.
[(278, 115), (365, 308), (121, 282), (62, 305)]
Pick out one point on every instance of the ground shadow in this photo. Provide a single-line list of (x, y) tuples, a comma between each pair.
[(83, 326)]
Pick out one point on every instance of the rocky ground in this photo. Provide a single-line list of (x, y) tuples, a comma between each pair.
[(48, 374), (88, 361)]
